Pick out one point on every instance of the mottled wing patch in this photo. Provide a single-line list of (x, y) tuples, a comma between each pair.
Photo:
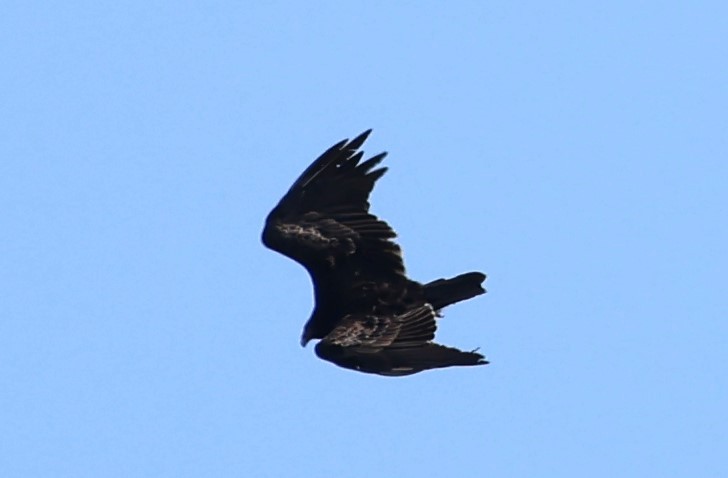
[(364, 331), (410, 329), (418, 326), (320, 234)]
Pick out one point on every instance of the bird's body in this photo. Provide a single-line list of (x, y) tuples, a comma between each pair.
[(368, 314)]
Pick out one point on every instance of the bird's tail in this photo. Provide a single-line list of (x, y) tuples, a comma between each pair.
[(443, 292)]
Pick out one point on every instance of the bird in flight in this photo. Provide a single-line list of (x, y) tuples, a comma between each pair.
[(368, 315)]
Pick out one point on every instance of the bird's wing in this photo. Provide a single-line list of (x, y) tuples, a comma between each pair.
[(391, 345), (324, 217)]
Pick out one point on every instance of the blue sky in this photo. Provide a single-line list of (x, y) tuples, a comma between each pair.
[(577, 154)]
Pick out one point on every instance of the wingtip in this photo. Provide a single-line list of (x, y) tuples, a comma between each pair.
[(357, 142), (481, 360)]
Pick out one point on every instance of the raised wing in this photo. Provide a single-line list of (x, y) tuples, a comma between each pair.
[(323, 221), (391, 345)]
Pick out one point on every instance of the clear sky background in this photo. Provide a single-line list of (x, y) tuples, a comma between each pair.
[(576, 153)]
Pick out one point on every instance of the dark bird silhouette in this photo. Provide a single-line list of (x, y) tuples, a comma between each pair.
[(369, 316)]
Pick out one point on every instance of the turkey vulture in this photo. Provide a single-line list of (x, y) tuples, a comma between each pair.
[(368, 314)]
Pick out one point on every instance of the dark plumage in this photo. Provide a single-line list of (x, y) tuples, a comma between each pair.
[(369, 316)]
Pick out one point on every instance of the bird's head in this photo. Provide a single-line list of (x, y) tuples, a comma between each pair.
[(308, 334)]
